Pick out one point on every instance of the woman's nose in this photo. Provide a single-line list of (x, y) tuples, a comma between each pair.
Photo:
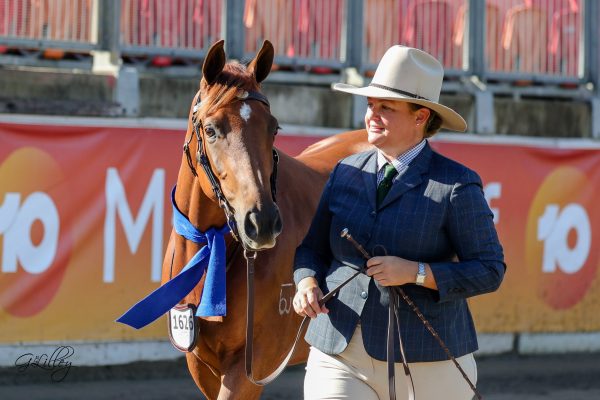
[(372, 113)]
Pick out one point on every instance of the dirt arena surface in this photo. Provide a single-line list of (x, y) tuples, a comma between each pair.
[(507, 377)]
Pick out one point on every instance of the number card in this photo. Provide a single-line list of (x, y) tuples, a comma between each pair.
[(183, 327)]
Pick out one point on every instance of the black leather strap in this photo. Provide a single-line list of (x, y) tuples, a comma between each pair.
[(402, 92), (394, 320)]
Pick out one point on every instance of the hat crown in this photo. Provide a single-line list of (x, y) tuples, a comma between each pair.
[(410, 70)]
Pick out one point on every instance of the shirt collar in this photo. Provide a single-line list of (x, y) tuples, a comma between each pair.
[(402, 161)]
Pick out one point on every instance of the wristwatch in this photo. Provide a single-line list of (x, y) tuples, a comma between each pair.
[(421, 275)]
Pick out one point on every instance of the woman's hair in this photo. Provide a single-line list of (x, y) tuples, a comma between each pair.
[(434, 123)]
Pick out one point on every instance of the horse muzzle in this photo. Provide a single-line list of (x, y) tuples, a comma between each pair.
[(261, 227)]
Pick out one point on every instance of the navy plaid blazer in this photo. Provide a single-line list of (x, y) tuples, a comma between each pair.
[(436, 213)]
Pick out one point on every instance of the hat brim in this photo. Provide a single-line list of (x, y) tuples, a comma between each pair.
[(450, 119)]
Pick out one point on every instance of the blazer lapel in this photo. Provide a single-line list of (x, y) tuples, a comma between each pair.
[(369, 176), (410, 178)]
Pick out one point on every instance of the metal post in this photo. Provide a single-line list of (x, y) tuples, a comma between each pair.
[(233, 28), (476, 38), (592, 60), (109, 17), (107, 59), (352, 43), (353, 35), (485, 118), (589, 56)]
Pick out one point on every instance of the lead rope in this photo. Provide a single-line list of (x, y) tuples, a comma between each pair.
[(250, 258)]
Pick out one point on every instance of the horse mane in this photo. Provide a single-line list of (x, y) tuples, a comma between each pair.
[(233, 79)]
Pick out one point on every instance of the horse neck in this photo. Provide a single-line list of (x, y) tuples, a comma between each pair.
[(298, 183), (202, 211)]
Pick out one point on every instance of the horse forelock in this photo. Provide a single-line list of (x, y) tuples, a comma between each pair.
[(234, 79)]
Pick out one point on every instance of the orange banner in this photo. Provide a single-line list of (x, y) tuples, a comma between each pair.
[(543, 199), (85, 217)]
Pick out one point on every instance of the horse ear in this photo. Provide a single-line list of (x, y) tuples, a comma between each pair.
[(214, 62), (260, 66)]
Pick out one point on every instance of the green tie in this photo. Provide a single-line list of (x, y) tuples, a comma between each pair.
[(389, 172)]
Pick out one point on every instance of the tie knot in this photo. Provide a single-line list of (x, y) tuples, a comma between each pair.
[(389, 172)]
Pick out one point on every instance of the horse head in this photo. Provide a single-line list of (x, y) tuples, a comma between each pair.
[(236, 162)]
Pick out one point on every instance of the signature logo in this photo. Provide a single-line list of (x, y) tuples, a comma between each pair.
[(56, 363)]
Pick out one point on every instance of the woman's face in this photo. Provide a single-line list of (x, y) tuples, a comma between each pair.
[(392, 126)]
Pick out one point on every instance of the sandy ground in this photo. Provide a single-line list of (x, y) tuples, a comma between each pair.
[(507, 377)]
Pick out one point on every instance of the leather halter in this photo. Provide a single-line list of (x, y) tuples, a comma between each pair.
[(202, 159)]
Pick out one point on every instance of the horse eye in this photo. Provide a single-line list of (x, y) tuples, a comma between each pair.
[(210, 132)]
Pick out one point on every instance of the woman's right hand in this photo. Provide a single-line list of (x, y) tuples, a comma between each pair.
[(306, 299)]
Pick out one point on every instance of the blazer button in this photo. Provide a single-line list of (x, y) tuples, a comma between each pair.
[(373, 213), (363, 294)]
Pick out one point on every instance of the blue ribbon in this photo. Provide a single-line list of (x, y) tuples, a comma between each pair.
[(210, 258)]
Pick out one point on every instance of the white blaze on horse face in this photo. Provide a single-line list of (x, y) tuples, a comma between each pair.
[(245, 112)]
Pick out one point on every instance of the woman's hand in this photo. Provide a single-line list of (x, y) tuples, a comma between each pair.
[(392, 271), (306, 299)]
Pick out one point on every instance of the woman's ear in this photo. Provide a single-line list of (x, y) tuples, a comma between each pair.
[(422, 115)]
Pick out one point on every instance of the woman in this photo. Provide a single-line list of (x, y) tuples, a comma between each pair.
[(425, 221)]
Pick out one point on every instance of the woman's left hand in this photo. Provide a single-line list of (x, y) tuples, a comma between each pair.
[(391, 270)]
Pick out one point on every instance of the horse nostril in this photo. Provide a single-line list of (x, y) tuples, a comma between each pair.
[(251, 225)]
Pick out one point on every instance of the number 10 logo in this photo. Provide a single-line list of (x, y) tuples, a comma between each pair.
[(15, 225), (554, 227)]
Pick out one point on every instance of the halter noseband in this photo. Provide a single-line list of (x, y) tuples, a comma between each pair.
[(203, 160)]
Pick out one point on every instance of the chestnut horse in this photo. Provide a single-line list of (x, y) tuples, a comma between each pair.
[(237, 134)]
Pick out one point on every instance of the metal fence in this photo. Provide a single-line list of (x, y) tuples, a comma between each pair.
[(169, 27), (304, 32), (69, 25), (542, 40)]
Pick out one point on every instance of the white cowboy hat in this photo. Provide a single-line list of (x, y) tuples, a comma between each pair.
[(410, 75)]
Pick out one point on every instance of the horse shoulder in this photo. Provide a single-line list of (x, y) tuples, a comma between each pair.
[(166, 267)]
